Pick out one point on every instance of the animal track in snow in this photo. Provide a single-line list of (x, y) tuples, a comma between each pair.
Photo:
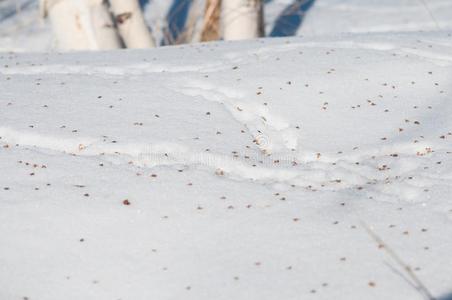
[(358, 171), (260, 121), (135, 69)]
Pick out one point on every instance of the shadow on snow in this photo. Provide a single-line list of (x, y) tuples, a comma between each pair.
[(291, 18)]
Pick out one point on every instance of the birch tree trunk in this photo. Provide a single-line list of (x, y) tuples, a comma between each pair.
[(211, 24), (81, 24), (242, 19), (131, 24)]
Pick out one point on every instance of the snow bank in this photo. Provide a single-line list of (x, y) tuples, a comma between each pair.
[(228, 170)]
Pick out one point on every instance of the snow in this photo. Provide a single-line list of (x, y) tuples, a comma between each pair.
[(231, 170), (358, 16)]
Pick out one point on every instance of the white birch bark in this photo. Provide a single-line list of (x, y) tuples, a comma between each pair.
[(81, 24), (131, 24), (102, 25), (242, 19)]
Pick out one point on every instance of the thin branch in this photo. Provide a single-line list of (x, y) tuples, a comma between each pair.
[(381, 244)]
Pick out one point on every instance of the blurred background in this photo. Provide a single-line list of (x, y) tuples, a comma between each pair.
[(33, 25)]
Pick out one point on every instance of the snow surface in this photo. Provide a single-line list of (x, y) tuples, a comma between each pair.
[(248, 167), (229, 170)]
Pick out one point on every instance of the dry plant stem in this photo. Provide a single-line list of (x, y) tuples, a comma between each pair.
[(420, 285), (211, 24)]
